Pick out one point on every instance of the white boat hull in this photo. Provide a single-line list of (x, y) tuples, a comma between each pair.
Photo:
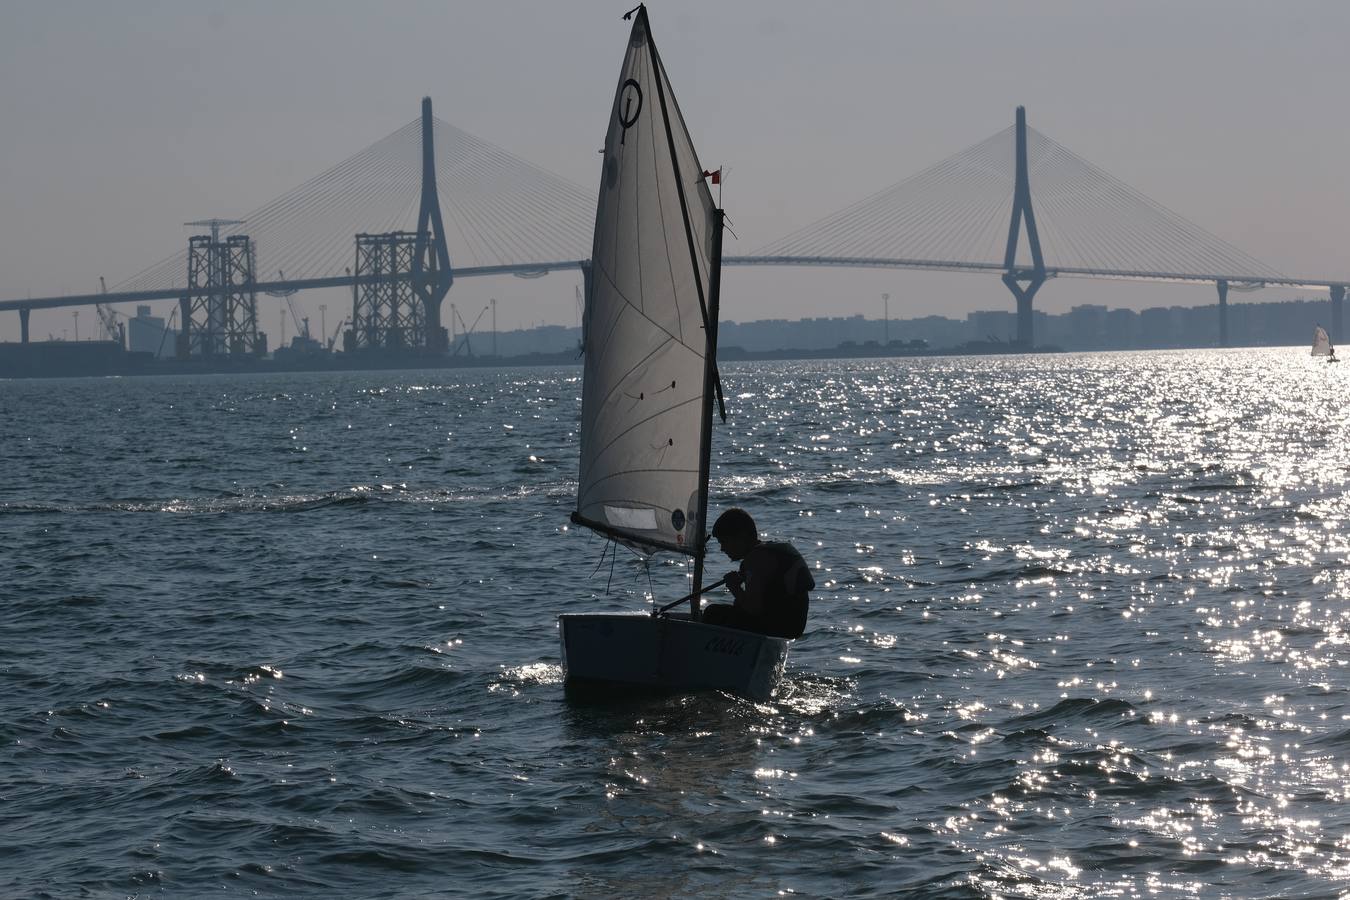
[(669, 653)]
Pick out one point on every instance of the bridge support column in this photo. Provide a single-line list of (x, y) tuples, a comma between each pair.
[(438, 341), (23, 324), (586, 284), (1223, 312), (432, 276), (183, 344), (1025, 294), (1014, 275), (1337, 297)]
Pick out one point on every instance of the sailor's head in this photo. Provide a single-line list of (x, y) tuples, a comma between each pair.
[(735, 532)]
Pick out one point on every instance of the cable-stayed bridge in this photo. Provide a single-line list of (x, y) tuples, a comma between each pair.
[(374, 223), (400, 220), (1025, 206)]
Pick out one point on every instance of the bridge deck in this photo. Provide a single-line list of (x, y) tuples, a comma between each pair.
[(828, 261)]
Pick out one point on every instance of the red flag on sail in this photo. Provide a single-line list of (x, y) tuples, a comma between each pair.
[(715, 176)]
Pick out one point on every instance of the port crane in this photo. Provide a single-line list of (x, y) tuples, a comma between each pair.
[(112, 329), (466, 332), (286, 295), (168, 328), (337, 331)]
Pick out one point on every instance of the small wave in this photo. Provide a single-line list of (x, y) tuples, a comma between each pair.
[(1236, 719), (882, 580), (772, 491), (225, 503), (1334, 739), (1076, 709), (29, 508), (1030, 571), (1203, 749), (397, 861), (217, 772), (83, 711), (1121, 771), (533, 673), (871, 719), (1027, 737), (186, 733), (292, 834), (80, 600), (255, 673), (358, 730), (300, 504), (418, 677), (1213, 487), (1014, 485), (407, 583), (1175, 498)]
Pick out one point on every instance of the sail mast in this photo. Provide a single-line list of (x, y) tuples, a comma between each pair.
[(709, 385), (707, 304)]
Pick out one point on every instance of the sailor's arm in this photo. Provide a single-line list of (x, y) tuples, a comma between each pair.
[(735, 583), (749, 585)]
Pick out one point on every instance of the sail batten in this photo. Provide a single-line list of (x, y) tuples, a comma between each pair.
[(615, 534), (646, 333)]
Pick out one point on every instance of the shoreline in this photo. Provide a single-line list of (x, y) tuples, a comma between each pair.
[(106, 359)]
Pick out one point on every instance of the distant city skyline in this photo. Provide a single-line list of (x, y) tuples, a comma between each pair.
[(125, 120), (1084, 327)]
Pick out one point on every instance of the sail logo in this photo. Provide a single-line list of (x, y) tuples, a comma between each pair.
[(729, 646), (630, 104)]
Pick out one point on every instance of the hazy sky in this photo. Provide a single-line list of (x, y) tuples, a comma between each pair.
[(121, 120)]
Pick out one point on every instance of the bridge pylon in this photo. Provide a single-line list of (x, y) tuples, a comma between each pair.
[(1222, 285), (1337, 298), (1024, 282), (431, 273)]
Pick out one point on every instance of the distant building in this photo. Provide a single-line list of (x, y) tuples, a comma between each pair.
[(992, 325), (1087, 323), (147, 334), (1122, 329), (540, 339), (1156, 327)]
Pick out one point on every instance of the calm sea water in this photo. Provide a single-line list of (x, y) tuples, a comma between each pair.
[(1082, 630)]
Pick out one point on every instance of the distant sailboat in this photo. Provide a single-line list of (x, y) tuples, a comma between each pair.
[(650, 342), (1321, 345)]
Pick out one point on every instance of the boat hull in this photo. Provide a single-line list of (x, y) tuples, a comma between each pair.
[(669, 653)]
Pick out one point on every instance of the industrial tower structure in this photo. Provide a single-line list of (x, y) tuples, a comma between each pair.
[(386, 312), (219, 308)]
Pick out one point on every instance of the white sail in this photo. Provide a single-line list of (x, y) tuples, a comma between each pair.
[(642, 417), (1321, 345)]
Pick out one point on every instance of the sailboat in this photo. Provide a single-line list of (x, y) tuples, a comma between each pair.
[(1321, 345), (649, 382)]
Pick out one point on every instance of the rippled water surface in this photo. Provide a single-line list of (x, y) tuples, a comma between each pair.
[(1081, 631)]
